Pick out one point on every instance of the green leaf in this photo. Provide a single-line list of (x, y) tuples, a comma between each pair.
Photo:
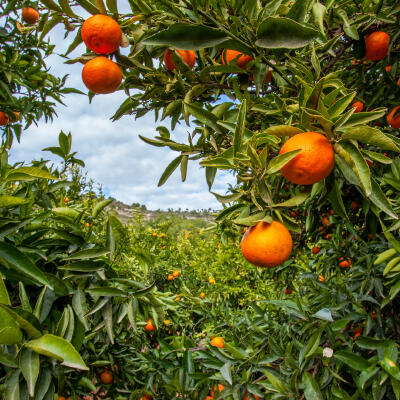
[(311, 388), (172, 166), (80, 307), (363, 118), (12, 258), (229, 198), (294, 201), (312, 344), (352, 360), (59, 349), (237, 352), (43, 384), (283, 130), (106, 291), (324, 314), (89, 253), (278, 384), (360, 167), (26, 320), (8, 360), (204, 116), (100, 206), (30, 366), (379, 199), (187, 37), (390, 367), (372, 343), (280, 161), (299, 10), (240, 127), (12, 386), (226, 372), (284, 33), (372, 136), (34, 172), (10, 201)]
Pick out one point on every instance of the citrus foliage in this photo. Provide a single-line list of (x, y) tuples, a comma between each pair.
[(331, 330)]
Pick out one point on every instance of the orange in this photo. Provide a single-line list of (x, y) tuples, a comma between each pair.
[(175, 274), (355, 205), (87, 224), (202, 295), (167, 322), (246, 396), (315, 161), (101, 34), (217, 389), (267, 79), (149, 327), (4, 118), (315, 250), (106, 377), (393, 121), (30, 15), (377, 45), (211, 280), (101, 75), (388, 68), (154, 234), (287, 291), (188, 57), (358, 106), (241, 59), (218, 342), (321, 279), (373, 315), (66, 199), (325, 221), (61, 398), (267, 245), (170, 277), (344, 263)]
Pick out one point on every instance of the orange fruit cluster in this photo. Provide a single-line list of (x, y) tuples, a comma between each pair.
[(30, 16), (102, 35), (5, 118)]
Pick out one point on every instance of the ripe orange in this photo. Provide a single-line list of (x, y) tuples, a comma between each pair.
[(325, 221), (4, 118), (230, 55), (217, 389), (315, 161), (175, 274), (202, 295), (66, 199), (246, 396), (101, 75), (101, 34), (315, 250), (61, 398), (355, 205), (321, 279), (106, 377), (393, 121), (377, 45), (170, 277), (218, 342), (358, 106), (188, 57), (373, 315), (388, 68), (344, 263), (167, 322), (30, 15), (267, 245), (149, 327), (211, 280), (287, 291)]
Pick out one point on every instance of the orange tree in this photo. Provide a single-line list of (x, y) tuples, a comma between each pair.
[(335, 188)]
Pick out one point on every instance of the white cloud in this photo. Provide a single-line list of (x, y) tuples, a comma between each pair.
[(115, 157)]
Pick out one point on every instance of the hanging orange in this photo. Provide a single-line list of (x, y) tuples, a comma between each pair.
[(101, 75), (393, 121), (241, 59), (377, 45), (30, 16), (188, 57), (106, 377), (218, 342), (315, 161), (267, 245), (101, 34), (4, 118), (358, 106)]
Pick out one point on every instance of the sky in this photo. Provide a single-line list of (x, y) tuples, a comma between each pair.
[(127, 168)]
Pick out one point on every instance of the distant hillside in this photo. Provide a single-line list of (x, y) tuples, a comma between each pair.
[(126, 212)]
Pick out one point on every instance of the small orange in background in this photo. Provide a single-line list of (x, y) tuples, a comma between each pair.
[(355, 205), (211, 280), (170, 277), (30, 15), (315, 250), (87, 224), (167, 322), (175, 274), (394, 121), (373, 315), (388, 68), (344, 263), (331, 212), (218, 342), (356, 62), (101, 75), (154, 234), (202, 295), (149, 327), (246, 396), (66, 199), (287, 291), (241, 59), (61, 398), (106, 377), (178, 298), (328, 236), (101, 34), (321, 279), (4, 118), (358, 106), (267, 245), (188, 57), (325, 221), (314, 162), (377, 45)]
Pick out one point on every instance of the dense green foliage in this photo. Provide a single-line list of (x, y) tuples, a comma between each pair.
[(78, 287)]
